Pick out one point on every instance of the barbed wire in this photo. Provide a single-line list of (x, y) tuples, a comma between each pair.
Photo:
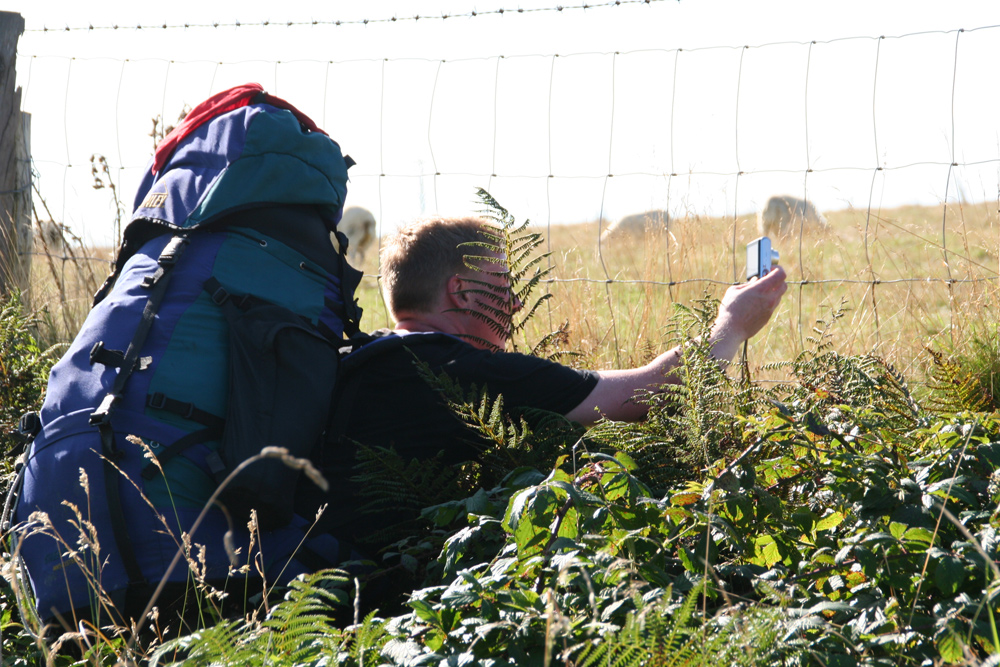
[(623, 174), (342, 22), (502, 56)]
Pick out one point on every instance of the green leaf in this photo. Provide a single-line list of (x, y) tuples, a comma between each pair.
[(627, 461), (830, 521), (727, 482), (766, 551), (459, 596), (687, 560), (879, 538), (530, 538), (515, 507), (921, 535), (685, 498), (949, 574), (897, 529), (409, 562), (426, 612), (950, 648), (478, 503)]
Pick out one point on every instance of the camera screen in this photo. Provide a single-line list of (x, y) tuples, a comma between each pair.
[(753, 259)]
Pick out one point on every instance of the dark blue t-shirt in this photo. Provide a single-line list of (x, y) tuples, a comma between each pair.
[(386, 401)]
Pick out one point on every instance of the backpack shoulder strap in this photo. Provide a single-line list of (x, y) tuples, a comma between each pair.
[(362, 349)]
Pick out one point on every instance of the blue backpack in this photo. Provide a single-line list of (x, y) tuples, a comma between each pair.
[(215, 336)]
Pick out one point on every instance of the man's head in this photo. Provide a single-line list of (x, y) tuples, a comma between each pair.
[(425, 274)]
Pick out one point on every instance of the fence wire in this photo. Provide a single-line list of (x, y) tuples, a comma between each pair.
[(811, 172)]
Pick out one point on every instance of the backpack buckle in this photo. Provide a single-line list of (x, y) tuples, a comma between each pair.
[(219, 296), (102, 415), (172, 252), (29, 424), (157, 401)]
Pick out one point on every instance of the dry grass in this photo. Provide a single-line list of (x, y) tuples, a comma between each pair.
[(618, 301), (62, 286)]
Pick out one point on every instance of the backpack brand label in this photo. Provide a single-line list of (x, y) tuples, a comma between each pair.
[(154, 200)]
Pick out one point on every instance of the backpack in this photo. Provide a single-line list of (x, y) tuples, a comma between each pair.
[(216, 335)]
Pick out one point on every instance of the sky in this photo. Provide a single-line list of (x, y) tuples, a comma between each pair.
[(704, 107)]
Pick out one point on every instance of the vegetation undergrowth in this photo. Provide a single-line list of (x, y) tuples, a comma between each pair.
[(841, 523), (24, 370), (833, 519)]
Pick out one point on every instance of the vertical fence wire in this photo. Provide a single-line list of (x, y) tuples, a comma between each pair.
[(803, 279), (430, 143), (163, 99), (381, 176), (118, 104), (118, 146), (26, 88), (211, 83), (673, 172), (871, 192), (604, 192), (326, 91), (548, 200), (944, 209), (69, 161), (493, 160), (739, 170)]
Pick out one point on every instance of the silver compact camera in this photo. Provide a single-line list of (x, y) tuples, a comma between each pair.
[(761, 257)]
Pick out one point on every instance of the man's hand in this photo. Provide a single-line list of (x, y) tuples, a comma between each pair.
[(746, 308), (744, 311)]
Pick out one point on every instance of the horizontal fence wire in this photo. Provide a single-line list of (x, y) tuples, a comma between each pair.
[(365, 21), (552, 170)]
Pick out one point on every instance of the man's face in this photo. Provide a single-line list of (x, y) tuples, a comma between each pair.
[(490, 296)]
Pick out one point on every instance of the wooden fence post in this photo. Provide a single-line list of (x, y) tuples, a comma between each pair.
[(15, 168)]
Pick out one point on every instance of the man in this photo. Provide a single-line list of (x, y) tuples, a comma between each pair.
[(387, 402)]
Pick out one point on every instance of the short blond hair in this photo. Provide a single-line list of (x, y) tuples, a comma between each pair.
[(418, 259)]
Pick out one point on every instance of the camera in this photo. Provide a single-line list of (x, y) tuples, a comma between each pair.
[(761, 257)]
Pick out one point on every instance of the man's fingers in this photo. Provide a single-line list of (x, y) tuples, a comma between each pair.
[(777, 274)]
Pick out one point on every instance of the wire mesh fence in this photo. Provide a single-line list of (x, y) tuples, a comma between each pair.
[(890, 137)]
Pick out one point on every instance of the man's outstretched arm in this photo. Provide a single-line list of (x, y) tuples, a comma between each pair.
[(744, 311)]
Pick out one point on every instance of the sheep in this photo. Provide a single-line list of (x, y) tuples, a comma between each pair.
[(636, 225), (49, 237), (358, 224), (784, 214)]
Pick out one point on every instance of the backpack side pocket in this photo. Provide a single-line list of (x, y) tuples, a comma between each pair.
[(282, 373)]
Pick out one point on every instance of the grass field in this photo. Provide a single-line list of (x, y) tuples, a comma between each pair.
[(889, 270)]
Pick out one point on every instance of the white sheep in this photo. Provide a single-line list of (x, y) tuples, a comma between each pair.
[(49, 237), (784, 214), (358, 224), (636, 225)]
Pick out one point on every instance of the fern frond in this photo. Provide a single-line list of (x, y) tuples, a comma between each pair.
[(647, 638), (219, 644), (517, 250), (394, 488), (955, 389)]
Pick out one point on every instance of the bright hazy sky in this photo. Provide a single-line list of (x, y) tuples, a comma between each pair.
[(643, 113)]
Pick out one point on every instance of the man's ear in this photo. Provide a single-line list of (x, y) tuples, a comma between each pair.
[(456, 297)]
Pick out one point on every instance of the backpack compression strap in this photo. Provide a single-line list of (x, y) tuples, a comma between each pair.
[(101, 417)]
